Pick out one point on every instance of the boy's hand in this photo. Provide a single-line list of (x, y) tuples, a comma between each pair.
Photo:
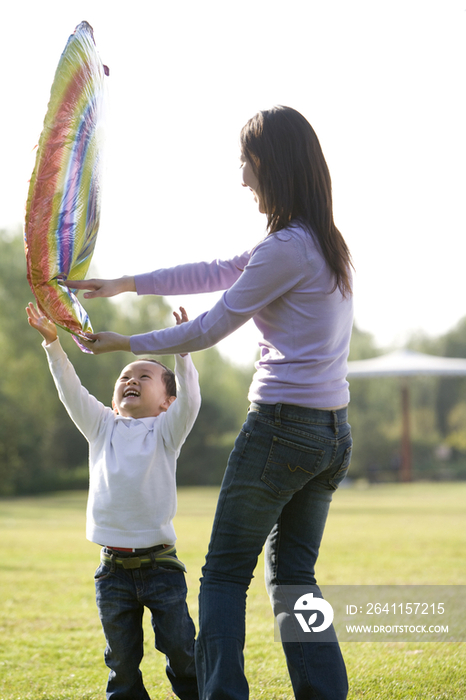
[(41, 323), (181, 317)]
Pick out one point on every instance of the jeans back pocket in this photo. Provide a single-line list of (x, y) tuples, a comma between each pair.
[(342, 470), (290, 466)]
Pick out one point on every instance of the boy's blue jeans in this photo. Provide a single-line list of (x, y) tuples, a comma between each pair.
[(121, 596), (286, 463)]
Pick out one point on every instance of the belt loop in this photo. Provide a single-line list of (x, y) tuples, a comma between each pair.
[(152, 558), (335, 422), (112, 563), (278, 408)]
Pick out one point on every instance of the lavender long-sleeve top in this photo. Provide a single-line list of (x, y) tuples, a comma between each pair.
[(285, 286)]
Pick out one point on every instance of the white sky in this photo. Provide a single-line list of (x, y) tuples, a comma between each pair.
[(382, 83)]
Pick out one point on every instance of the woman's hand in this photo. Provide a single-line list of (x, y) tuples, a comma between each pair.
[(41, 323), (107, 341), (103, 288), (98, 343)]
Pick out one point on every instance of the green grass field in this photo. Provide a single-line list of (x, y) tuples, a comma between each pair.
[(51, 643)]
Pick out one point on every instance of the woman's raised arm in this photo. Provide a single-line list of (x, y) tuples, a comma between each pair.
[(103, 288)]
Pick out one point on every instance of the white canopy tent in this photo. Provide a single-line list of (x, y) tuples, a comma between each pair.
[(405, 364)]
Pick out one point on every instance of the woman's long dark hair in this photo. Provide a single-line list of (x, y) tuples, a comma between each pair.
[(294, 182)]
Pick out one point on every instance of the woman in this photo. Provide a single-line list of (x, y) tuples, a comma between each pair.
[(295, 446)]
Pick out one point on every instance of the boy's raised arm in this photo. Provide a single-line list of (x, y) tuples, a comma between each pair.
[(183, 412), (83, 408), (181, 317), (181, 416)]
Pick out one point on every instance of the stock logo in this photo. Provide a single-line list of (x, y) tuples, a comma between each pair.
[(313, 605)]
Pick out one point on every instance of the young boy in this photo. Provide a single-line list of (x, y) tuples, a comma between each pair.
[(132, 501)]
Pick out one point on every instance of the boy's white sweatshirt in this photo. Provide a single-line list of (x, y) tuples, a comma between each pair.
[(132, 462)]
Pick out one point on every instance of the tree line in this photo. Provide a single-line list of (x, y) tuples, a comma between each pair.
[(41, 449)]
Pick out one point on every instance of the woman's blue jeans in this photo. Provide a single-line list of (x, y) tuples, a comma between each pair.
[(285, 465)]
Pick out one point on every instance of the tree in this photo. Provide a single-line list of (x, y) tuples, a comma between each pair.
[(223, 410), (374, 416)]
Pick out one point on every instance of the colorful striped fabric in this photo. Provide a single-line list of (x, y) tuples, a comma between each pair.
[(63, 205)]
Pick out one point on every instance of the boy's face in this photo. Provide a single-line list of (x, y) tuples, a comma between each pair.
[(140, 391)]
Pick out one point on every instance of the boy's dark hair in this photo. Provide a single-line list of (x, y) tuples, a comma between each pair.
[(168, 376)]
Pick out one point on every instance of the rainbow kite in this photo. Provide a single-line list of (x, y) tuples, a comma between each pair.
[(63, 204)]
